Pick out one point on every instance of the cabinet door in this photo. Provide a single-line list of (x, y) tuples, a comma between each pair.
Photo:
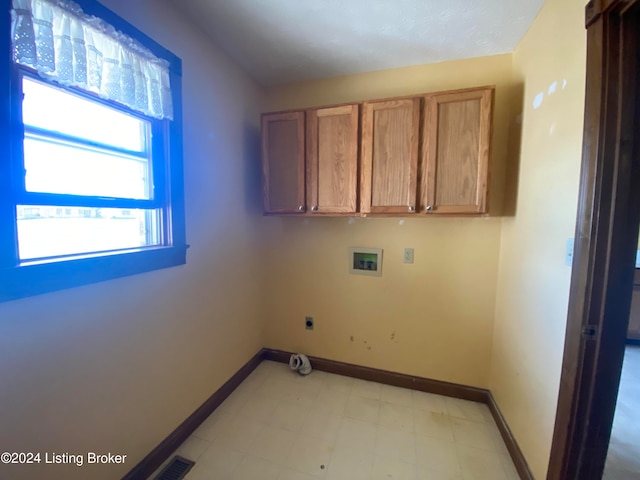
[(390, 132), (457, 136), (332, 159), (634, 316), (283, 162)]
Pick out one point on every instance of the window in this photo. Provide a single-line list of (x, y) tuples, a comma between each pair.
[(91, 171)]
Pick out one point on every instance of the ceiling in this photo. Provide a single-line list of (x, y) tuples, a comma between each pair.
[(284, 41)]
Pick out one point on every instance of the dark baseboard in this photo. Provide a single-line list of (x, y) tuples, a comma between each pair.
[(512, 446), (425, 385), (633, 341), (388, 378), (158, 455)]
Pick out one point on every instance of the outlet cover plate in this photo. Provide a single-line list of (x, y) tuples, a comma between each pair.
[(408, 255)]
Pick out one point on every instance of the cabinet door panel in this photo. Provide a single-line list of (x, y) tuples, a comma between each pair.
[(390, 156), (634, 316), (332, 159), (283, 162), (457, 134)]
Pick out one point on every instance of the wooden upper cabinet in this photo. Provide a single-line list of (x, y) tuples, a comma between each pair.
[(428, 153), (332, 159), (388, 180), (633, 332), (283, 162), (455, 156)]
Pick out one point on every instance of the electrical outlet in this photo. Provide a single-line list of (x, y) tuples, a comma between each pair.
[(408, 255), (308, 323)]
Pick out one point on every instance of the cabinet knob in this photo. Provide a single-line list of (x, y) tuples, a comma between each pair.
[(301, 208), (428, 208), (314, 208), (412, 208)]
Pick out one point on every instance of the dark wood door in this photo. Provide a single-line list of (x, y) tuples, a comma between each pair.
[(606, 242)]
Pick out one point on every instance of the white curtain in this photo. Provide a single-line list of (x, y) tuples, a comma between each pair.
[(63, 44)]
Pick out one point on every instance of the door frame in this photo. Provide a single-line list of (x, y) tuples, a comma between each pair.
[(605, 243)]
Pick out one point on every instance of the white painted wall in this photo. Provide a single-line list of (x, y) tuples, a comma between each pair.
[(116, 366)]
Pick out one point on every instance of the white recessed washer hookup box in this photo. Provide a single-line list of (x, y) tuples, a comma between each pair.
[(365, 261)]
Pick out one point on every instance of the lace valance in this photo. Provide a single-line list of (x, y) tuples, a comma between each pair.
[(67, 46)]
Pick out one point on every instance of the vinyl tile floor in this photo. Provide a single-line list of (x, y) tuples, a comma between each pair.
[(623, 458), (278, 425)]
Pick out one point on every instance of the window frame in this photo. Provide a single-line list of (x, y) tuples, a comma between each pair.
[(20, 279)]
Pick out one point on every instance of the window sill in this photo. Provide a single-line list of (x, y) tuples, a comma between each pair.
[(35, 278)]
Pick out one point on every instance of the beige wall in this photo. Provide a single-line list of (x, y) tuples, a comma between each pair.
[(433, 318), (116, 366), (533, 285)]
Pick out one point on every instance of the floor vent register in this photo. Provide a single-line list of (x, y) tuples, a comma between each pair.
[(176, 469)]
